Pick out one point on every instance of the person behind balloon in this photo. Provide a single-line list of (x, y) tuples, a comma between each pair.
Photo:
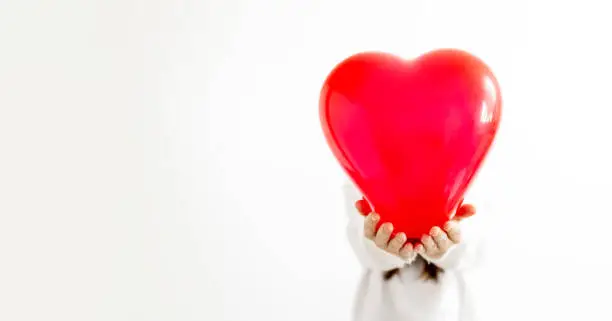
[(425, 281)]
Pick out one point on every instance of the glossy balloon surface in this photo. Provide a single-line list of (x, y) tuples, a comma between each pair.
[(411, 134)]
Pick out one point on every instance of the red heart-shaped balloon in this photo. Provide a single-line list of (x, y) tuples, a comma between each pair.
[(411, 134)]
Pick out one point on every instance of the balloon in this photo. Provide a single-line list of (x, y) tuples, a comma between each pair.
[(411, 134)]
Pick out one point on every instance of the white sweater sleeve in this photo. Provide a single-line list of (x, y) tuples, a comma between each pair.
[(370, 256)]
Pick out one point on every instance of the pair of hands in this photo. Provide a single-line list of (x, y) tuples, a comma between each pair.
[(434, 245)]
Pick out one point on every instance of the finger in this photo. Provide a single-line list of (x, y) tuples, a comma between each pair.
[(441, 239), (369, 226), (419, 248), (453, 231), (396, 243), (382, 236), (407, 252), (429, 244), (363, 207), (464, 212)]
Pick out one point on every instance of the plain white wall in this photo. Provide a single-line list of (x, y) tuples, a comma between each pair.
[(163, 160)]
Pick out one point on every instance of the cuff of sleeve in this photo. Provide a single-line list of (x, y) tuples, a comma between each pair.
[(383, 260), (448, 260)]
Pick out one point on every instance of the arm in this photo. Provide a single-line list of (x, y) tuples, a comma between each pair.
[(368, 254)]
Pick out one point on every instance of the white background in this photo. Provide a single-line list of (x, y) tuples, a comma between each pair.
[(163, 160)]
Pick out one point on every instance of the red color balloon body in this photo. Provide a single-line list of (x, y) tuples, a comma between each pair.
[(411, 134)]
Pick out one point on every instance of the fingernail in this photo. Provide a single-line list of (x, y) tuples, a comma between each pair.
[(434, 231), (401, 237), (419, 248), (389, 228), (375, 217)]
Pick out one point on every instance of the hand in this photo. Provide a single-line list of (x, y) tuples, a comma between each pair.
[(396, 246), (435, 245), (439, 241)]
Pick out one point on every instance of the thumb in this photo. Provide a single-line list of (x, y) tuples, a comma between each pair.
[(464, 212), (363, 207)]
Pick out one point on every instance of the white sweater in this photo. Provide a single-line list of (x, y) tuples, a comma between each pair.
[(406, 296)]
